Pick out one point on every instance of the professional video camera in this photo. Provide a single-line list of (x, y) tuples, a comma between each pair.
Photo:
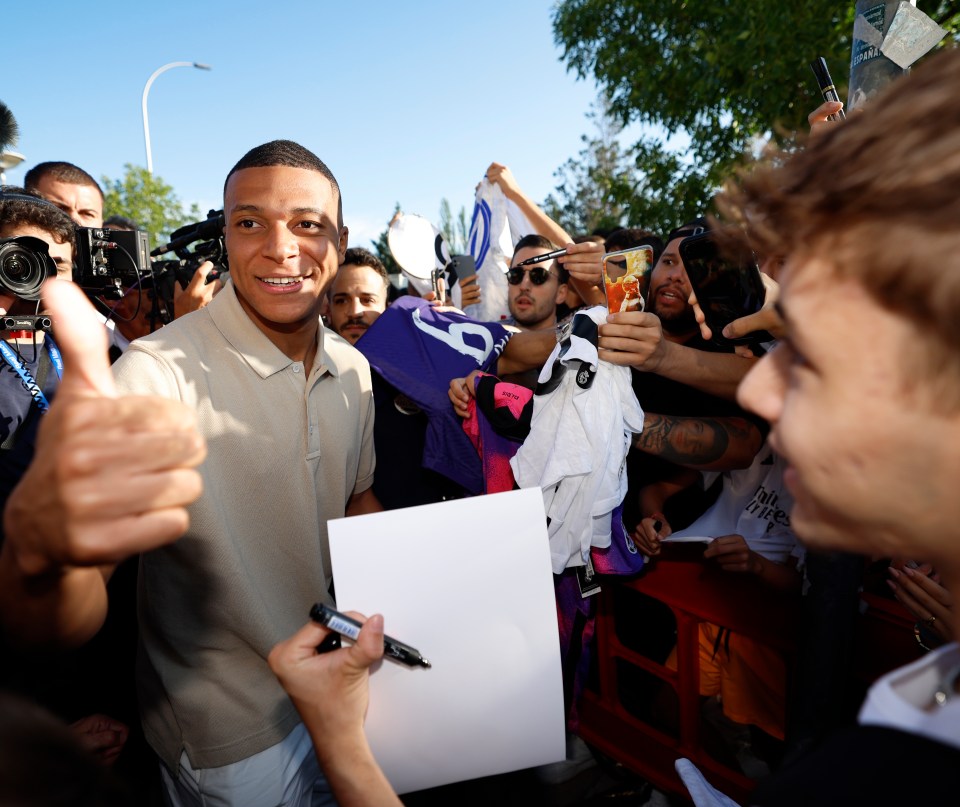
[(25, 263), (107, 261), (208, 245), (110, 262)]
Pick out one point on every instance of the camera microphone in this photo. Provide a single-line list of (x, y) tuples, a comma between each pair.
[(211, 227)]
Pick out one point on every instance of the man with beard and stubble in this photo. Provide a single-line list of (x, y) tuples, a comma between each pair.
[(358, 294), (687, 425), (357, 298)]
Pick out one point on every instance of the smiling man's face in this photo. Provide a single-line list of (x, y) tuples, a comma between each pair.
[(284, 244)]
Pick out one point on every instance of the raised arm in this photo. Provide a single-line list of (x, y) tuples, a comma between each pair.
[(583, 278), (635, 339), (111, 477), (544, 225)]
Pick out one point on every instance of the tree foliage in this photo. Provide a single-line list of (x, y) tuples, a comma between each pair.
[(724, 73), (149, 201), (598, 187), (381, 248), (456, 231)]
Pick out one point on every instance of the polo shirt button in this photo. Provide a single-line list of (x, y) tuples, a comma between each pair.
[(296, 368)]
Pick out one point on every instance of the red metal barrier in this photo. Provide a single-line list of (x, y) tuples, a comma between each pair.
[(696, 592)]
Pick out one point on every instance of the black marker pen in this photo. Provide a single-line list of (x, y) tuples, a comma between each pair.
[(345, 626), (547, 256), (827, 88)]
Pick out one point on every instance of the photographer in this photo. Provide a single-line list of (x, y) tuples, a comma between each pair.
[(27, 355), (78, 195), (30, 370)]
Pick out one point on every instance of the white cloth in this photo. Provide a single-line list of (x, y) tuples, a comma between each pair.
[(286, 773), (902, 699), (496, 226), (577, 446), (701, 791), (754, 503)]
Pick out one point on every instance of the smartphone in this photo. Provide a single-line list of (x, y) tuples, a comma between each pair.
[(461, 267), (624, 274), (727, 287)]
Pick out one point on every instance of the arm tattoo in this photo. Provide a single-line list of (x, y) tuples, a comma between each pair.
[(691, 441)]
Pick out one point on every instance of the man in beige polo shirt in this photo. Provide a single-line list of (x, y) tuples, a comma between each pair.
[(287, 412)]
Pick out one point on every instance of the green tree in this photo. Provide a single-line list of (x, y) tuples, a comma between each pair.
[(598, 188), (727, 74), (456, 232), (149, 201), (381, 247)]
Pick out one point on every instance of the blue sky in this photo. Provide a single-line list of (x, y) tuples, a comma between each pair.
[(406, 102)]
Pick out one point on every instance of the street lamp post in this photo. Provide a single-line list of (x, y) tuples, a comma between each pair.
[(146, 92), (8, 160)]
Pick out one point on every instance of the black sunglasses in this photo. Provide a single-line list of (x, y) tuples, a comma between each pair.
[(538, 275)]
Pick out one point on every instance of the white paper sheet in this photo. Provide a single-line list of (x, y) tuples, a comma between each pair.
[(686, 539), (468, 583)]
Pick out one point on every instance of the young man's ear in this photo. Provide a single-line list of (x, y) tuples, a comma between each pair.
[(342, 245)]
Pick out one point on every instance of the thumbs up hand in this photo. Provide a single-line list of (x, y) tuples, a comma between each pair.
[(111, 476)]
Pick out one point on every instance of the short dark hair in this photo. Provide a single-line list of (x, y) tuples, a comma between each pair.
[(62, 172), (628, 237), (121, 223), (537, 241), (358, 256), (18, 209), (695, 227), (292, 155)]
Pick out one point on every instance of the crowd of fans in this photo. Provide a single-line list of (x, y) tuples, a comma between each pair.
[(173, 507)]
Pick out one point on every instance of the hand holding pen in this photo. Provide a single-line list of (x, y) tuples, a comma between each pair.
[(350, 627), (328, 689), (650, 532), (827, 88)]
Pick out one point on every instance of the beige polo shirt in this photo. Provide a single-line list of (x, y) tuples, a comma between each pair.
[(287, 449)]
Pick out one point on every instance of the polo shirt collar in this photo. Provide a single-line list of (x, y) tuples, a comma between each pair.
[(264, 357)]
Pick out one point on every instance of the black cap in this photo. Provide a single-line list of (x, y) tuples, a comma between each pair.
[(695, 227)]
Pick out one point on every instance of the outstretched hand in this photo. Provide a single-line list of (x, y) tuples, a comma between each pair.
[(732, 554), (634, 339), (461, 392), (919, 589), (111, 476), (198, 292), (819, 119), (102, 736)]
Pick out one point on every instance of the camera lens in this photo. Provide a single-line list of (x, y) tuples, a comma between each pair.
[(24, 267)]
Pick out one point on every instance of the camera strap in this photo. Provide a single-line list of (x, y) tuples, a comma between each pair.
[(26, 378)]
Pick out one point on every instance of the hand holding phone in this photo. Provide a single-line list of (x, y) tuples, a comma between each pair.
[(624, 273), (726, 289)]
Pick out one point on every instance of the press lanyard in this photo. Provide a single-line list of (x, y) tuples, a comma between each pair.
[(26, 378)]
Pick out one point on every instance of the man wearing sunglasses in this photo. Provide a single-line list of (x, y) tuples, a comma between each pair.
[(536, 290)]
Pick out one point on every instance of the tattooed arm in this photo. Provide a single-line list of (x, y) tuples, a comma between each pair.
[(704, 444)]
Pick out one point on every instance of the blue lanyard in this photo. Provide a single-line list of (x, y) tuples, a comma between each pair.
[(28, 381)]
